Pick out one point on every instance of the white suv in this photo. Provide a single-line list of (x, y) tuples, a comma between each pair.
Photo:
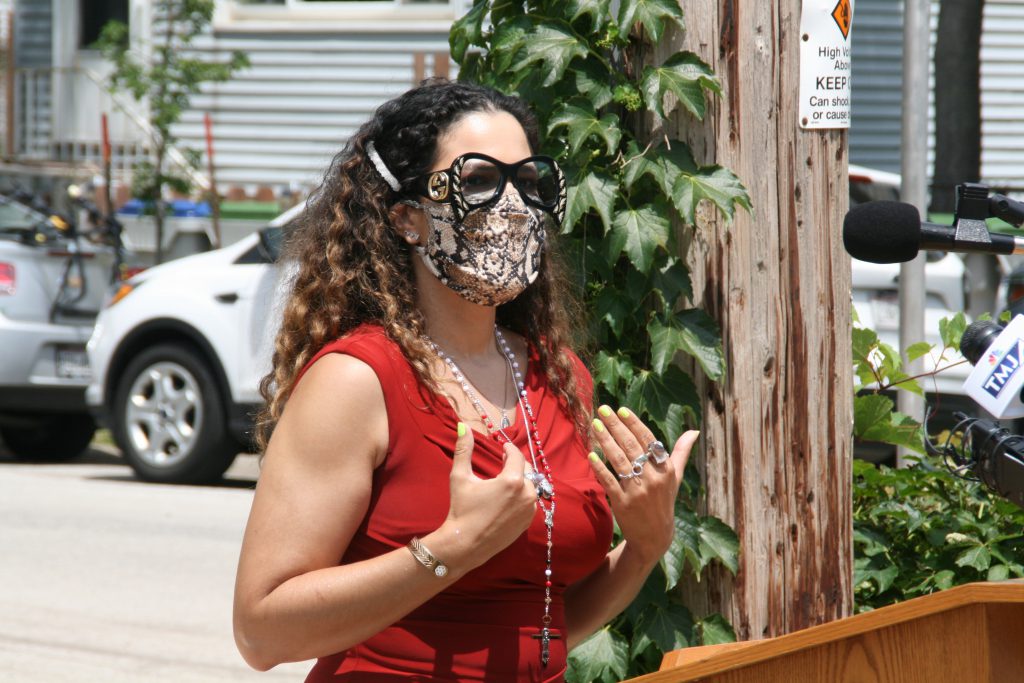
[(177, 355)]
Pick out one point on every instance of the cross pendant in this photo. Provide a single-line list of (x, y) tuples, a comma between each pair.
[(545, 636)]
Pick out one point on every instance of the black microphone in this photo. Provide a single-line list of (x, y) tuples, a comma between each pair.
[(893, 232)]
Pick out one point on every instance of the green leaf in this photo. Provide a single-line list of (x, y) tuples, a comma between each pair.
[(672, 281), (605, 652), (718, 541), (555, 46), (692, 331), (509, 37), (683, 548), (592, 80), (915, 351), (944, 579), (686, 76), (611, 370), (715, 629), (597, 10), (596, 191), (977, 557), (714, 183), (639, 232), (952, 329), (998, 572), (581, 121), (614, 308), (870, 413), (651, 14), (670, 399), (666, 625)]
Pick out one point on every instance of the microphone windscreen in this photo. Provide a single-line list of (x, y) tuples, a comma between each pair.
[(976, 339), (882, 232)]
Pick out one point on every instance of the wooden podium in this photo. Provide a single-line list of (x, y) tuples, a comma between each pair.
[(968, 634)]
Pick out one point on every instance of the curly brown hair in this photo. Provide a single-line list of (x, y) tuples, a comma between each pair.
[(353, 268)]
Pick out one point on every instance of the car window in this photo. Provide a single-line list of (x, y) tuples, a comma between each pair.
[(861, 192), (16, 216)]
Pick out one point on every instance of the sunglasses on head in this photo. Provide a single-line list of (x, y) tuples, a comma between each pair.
[(475, 180)]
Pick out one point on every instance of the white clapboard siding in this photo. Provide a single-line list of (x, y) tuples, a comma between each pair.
[(280, 121), (878, 78), (1002, 95)]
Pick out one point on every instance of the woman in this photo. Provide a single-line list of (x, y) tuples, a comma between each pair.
[(427, 508)]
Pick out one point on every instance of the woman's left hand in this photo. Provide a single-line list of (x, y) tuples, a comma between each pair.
[(643, 495)]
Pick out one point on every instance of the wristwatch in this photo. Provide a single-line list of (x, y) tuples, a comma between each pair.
[(426, 558)]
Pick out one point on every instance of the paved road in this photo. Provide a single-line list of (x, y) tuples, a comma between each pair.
[(103, 578)]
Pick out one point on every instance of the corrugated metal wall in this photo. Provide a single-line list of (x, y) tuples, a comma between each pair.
[(1002, 95), (877, 97), (282, 120), (877, 82)]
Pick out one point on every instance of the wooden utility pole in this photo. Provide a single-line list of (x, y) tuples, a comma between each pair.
[(777, 431)]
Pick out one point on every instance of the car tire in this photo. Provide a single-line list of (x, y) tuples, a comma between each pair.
[(168, 417), (55, 438)]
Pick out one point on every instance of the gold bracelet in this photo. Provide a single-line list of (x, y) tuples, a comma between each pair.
[(426, 558)]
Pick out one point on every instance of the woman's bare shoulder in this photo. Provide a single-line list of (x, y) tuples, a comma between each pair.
[(338, 406)]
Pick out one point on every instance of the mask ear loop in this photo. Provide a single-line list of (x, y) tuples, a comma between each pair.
[(382, 169)]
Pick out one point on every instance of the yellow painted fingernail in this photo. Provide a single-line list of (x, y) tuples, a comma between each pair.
[(624, 413), (594, 457), (461, 429), (605, 410), (598, 426)]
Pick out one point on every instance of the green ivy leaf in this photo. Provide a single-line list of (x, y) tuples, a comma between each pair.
[(715, 629), (596, 10), (915, 351), (672, 281), (581, 122), (614, 308), (686, 76), (651, 14), (665, 625), (683, 548), (611, 369), (977, 557), (718, 541), (596, 191), (605, 652), (467, 31), (952, 329), (692, 331), (592, 80), (555, 46), (998, 572), (638, 232), (669, 399), (509, 38), (714, 183), (871, 413)]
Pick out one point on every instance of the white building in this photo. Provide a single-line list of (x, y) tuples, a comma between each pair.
[(319, 68)]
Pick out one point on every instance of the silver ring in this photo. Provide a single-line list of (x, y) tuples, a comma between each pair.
[(637, 468), (657, 452)]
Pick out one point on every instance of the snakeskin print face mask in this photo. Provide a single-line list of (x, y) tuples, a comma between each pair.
[(491, 256)]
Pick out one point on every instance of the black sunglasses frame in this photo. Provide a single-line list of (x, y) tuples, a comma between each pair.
[(445, 185)]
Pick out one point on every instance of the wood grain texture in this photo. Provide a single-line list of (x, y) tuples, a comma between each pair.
[(777, 444), (969, 633)]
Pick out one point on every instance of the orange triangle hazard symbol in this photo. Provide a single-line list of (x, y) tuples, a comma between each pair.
[(843, 16)]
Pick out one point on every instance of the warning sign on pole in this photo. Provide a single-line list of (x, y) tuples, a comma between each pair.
[(825, 73)]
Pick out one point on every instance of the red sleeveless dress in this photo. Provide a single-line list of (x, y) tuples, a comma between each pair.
[(481, 628)]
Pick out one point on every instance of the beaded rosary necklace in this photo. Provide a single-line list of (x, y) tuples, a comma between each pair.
[(541, 480)]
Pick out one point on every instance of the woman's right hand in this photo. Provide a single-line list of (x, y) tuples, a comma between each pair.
[(486, 515)]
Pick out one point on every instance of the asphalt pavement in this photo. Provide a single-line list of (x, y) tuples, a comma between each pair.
[(105, 578)]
